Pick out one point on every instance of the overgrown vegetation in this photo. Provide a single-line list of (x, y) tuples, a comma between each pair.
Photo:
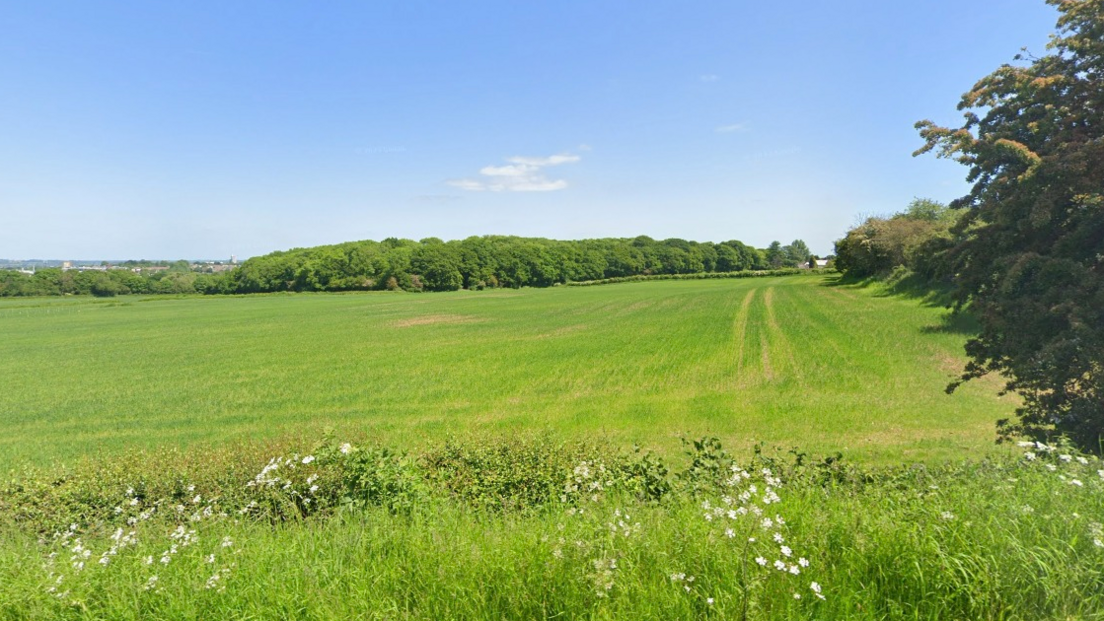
[(911, 239), (536, 528)]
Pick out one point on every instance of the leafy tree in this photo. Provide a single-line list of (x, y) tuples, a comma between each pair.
[(103, 286), (775, 255), (438, 265), (909, 238), (797, 252), (1029, 253)]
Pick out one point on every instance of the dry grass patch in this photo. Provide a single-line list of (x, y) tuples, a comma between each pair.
[(428, 320)]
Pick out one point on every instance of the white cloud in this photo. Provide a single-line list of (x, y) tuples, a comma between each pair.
[(522, 174), (709, 77), (729, 129)]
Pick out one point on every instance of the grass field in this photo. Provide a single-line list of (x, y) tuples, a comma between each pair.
[(167, 460), (794, 361)]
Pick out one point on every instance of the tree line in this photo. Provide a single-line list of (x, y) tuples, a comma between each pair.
[(429, 265), (106, 283)]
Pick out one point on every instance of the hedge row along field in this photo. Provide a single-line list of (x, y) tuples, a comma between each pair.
[(539, 529)]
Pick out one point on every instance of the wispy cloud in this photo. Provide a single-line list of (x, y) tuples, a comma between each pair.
[(709, 77), (731, 129), (521, 174)]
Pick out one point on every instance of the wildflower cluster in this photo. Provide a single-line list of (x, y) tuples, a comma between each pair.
[(748, 516), (586, 483), (1070, 467), (137, 512), (606, 550), (286, 486), (1096, 531)]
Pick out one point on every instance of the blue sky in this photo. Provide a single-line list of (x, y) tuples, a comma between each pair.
[(204, 129)]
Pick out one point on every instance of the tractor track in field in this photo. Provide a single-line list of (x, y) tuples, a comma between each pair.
[(739, 331), (779, 336)]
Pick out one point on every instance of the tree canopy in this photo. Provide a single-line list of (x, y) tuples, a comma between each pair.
[(1028, 257)]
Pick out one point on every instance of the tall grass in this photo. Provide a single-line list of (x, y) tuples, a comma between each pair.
[(455, 533)]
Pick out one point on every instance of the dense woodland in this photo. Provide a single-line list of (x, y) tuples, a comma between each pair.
[(427, 265)]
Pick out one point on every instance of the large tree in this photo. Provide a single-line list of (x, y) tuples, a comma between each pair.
[(1029, 257)]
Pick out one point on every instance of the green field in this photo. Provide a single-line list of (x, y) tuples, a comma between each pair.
[(793, 361), (167, 459), (797, 361)]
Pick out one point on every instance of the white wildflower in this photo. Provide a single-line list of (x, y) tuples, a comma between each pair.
[(345, 448), (308, 459), (762, 561)]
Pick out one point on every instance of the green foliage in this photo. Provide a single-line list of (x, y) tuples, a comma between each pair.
[(493, 261), (797, 253), (183, 535), (1028, 253), (427, 265), (910, 238), (698, 276)]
